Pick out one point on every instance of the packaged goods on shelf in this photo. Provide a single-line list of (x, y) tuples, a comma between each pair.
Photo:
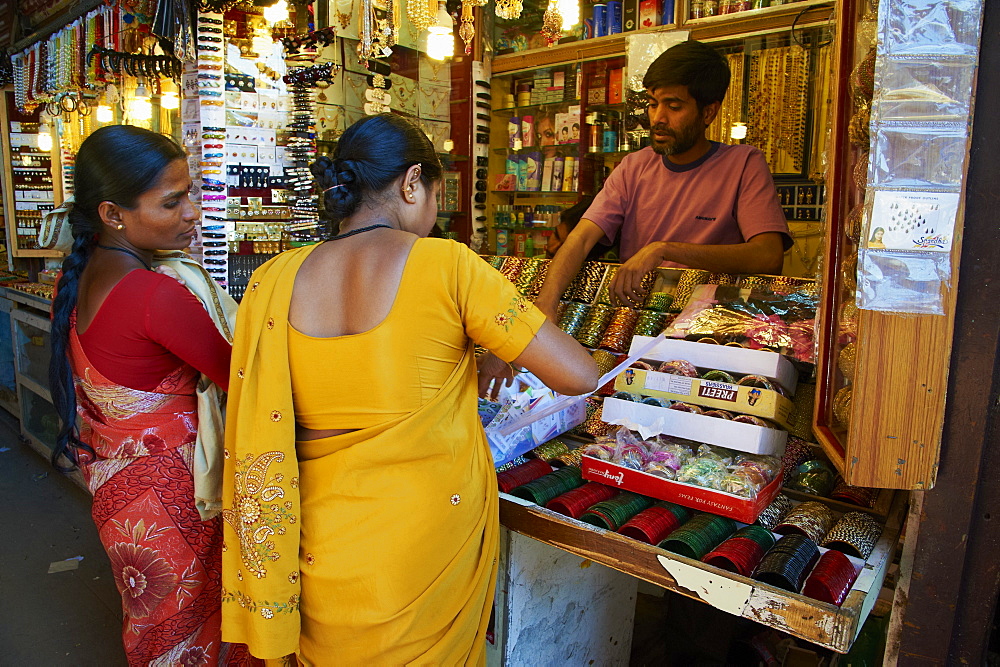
[(514, 427), (689, 495), (724, 358), (650, 420), (744, 399)]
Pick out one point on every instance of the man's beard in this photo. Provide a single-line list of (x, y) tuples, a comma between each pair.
[(682, 141)]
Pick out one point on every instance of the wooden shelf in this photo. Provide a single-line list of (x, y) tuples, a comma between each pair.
[(34, 386), (818, 622), (35, 252), (539, 193), (758, 21), (41, 303)]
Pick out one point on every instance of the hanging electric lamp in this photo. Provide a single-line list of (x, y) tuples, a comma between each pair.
[(168, 94), (441, 35), (44, 133), (140, 107)]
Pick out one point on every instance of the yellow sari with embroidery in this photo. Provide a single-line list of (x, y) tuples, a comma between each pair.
[(379, 545)]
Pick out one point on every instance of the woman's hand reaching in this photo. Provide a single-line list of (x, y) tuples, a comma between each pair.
[(495, 371)]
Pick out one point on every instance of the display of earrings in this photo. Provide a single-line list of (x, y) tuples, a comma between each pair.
[(509, 9), (377, 99), (378, 31), (467, 29)]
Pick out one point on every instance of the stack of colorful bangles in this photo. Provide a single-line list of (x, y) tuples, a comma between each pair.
[(793, 562)]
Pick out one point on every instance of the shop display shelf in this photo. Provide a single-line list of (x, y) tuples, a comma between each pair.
[(566, 148), (820, 623), (31, 346), (40, 303), (609, 154), (39, 422), (881, 508), (538, 193), (8, 379), (531, 109), (771, 19)]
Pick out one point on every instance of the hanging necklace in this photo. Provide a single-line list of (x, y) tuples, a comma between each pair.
[(358, 231), (127, 252)]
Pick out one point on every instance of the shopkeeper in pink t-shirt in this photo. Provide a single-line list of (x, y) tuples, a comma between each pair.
[(685, 201)]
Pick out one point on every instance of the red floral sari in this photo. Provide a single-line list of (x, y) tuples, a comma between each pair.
[(165, 560)]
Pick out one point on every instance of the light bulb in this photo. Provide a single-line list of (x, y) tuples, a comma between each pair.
[(44, 137), (277, 12), (140, 108), (570, 12), (168, 94), (105, 114), (738, 131), (440, 36), (169, 101)]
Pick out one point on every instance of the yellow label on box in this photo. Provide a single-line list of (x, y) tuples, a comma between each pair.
[(755, 401)]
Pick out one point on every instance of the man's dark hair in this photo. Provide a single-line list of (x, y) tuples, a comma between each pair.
[(693, 64)]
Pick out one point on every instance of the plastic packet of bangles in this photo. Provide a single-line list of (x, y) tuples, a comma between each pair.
[(513, 430), (488, 410), (703, 465), (760, 317), (662, 456)]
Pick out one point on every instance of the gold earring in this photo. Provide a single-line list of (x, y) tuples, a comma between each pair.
[(120, 226)]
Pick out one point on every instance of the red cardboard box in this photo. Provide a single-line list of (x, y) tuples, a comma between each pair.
[(615, 86), (649, 13), (744, 510)]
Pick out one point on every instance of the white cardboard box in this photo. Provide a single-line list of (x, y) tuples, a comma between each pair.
[(650, 420), (724, 358)]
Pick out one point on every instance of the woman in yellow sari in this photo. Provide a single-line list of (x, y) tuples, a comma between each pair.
[(361, 504)]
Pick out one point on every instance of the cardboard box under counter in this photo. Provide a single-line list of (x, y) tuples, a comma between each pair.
[(745, 510), (764, 403), (650, 420)]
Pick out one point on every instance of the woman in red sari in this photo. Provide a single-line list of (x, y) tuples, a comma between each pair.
[(128, 348)]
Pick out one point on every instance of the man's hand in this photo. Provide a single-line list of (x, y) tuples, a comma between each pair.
[(548, 309), (626, 288), (493, 369)]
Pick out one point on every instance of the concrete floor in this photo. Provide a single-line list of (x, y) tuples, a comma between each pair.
[(65, 618)]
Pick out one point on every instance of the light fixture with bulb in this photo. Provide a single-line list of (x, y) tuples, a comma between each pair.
[(738, 131), (277, 12), (168, 94), (570, 12), (104, 113), (441, 35), (140, 107), (44, 133)]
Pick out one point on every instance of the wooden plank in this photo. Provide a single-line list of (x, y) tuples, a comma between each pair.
[(897, 406), (881, 508), (30, 300), (35, 252), (956, 579), (893, 440), (814, 621), (827, 314)]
